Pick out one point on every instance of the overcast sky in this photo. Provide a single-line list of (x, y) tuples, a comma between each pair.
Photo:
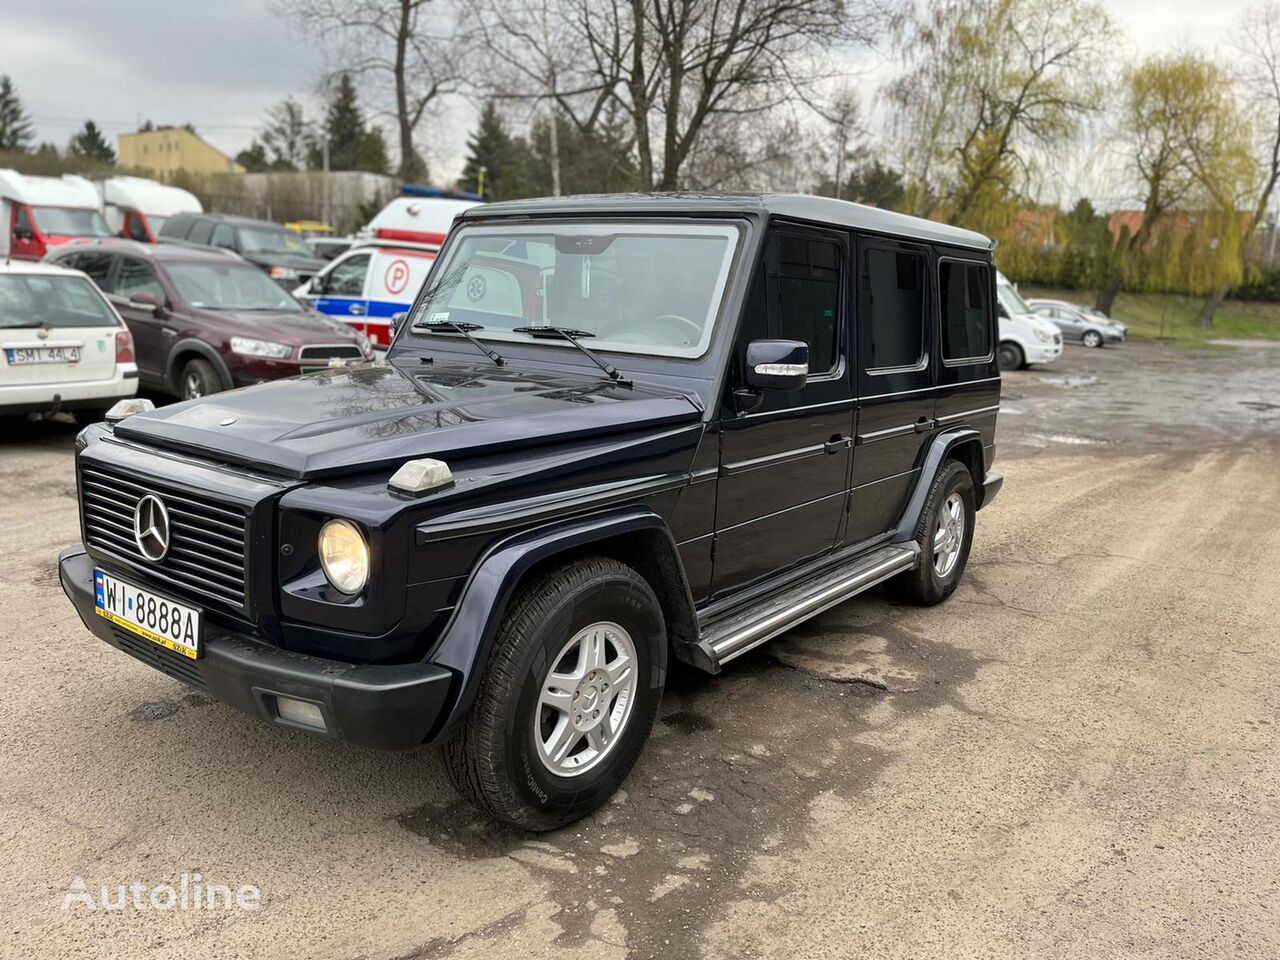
[(220, 64)]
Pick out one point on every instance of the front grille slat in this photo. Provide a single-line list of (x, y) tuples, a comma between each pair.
[(207, 554)]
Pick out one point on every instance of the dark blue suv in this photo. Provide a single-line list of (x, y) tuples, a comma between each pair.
[(611, 431)]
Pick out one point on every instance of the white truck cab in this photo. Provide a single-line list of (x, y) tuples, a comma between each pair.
[(63, 347), (37, 213), (136, 208), (1025, 338)]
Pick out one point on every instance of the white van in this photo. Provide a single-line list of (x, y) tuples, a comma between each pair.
[(37, 213), (62, 344), (136, 208), (424, 220), (370, 284), (1025, 338)]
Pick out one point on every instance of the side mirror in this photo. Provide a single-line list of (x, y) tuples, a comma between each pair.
[(777, 364), (397, 321), (1001, 311), (148, 300), (318, 283)]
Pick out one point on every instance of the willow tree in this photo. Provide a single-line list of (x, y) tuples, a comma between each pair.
[(1181, 136), (989, 86)]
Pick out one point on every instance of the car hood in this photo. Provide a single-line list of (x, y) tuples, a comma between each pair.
[(342, 421), (283, 326), (291, 260)]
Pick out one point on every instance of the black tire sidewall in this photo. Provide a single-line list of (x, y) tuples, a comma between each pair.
[(957, 479), (1015, 352), (1094, 336), (206, 373), (614, 599)]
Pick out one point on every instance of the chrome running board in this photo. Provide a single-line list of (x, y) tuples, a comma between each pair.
[(737, 632)]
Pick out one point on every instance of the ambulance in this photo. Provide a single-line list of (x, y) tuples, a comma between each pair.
[(369, 284), (37, 213), (136, 208), (422, 215)]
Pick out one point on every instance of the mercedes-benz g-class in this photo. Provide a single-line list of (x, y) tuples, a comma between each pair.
[(611, 431)]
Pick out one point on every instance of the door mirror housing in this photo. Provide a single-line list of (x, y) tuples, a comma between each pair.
[(777, 364), (147, 301), (397, 321)]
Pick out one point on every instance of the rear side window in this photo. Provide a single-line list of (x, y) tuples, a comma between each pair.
[(893, 298), (965, 289), (201, 232), (809, 297), (175, 228), (96, 265)]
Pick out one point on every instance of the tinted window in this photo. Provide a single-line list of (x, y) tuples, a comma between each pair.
[(96, 265), (175, 228), (347, 278), (808, 297), (201, 232), (892, 322), (135, 277), (223, 236), (966, 310), (21, 221)]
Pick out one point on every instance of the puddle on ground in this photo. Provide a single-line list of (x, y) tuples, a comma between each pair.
[(714, 787), (1076, 380)]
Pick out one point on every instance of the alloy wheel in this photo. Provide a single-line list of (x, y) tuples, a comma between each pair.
[(948, 536)]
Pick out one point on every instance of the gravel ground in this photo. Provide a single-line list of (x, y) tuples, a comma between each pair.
[(1073, 757)]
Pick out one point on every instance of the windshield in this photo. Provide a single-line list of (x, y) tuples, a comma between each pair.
[(266, 240), (1010, 300), (69, 222), (30, 300), (631, 287), (232, 286)]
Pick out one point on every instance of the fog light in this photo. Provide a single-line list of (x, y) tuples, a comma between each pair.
[(300, 712)]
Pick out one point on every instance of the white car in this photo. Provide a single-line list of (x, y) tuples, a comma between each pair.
[(62, 344), (1025, 338)]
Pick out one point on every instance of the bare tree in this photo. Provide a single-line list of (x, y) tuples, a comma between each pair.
[(409, 49), (288, 135)]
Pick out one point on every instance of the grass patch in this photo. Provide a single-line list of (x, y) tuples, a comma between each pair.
[(1154, 315)]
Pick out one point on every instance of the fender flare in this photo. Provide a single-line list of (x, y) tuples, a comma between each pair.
[(192, 345), (464, 644), (935, 455)]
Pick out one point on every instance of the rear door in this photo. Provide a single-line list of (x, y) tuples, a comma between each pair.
[(895, 381), (968, 376)]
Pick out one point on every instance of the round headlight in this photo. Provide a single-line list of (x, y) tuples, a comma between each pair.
[(344, 555)]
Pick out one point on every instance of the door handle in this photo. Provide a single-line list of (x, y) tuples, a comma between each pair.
[(356, 309), (169, 331), (925, 424), (836, 444)]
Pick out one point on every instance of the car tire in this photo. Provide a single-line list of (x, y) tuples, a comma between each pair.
[(89, 416), (198, 379), (517, 757), (950, 497), (1011, 357), (1092, 338)]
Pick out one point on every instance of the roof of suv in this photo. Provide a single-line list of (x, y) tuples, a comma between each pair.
[(819, 210), (231, 218), (163, 252)]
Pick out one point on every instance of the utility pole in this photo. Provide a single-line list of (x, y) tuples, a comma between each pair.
[(324, 150)]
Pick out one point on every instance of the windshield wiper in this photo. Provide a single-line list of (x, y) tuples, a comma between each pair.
[(464, 329), (572, 335)]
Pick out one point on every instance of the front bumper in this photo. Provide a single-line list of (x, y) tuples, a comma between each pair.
[(387, 707), (1041, 352), (76, 395)]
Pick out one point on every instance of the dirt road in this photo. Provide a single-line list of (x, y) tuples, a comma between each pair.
[(1076, 756)]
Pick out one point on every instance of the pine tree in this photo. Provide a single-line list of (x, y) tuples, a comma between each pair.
[(372, 155), (490, 148), (90, 144), (344, 126), (15, 123), (253, 158)]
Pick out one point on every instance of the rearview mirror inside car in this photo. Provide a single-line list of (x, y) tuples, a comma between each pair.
[(777, 364)]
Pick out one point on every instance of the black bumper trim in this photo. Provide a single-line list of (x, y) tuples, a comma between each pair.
[(387, 707), (991, 486)]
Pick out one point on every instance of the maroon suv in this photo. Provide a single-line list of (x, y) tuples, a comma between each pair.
[(204, 320)]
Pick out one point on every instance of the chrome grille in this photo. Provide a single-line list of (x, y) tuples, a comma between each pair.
[(207, 537), (330, 351)]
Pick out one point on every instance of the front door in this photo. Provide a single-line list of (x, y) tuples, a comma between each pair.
[(896, 372), (151, 334), (784, 466), (23, 242), (341, 291)]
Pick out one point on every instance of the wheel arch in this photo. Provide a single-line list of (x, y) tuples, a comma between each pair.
[(190, 349), (632, 535), (963, 444)]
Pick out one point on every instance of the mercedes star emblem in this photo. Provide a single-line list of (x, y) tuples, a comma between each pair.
[(151, 527)]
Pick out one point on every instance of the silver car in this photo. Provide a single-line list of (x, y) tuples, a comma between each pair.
[(1077, 325)]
